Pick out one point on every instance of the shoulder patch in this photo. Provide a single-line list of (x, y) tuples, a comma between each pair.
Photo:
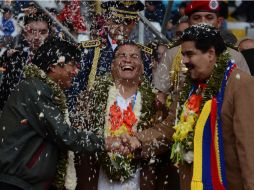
[(145, 49), (90, 43)]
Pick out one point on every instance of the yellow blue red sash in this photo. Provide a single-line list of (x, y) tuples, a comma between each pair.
[(208, 164)]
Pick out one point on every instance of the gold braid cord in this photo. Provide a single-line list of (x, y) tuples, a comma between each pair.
[(175, 69), (93, 71)]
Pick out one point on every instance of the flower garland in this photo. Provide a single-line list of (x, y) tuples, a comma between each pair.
[(103, 97), (116, 124), (114, 116), (65, 172), (182, 148), (121, 122)]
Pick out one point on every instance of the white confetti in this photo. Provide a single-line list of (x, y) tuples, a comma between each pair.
[(39, 92), (237, 76), (41, 115)]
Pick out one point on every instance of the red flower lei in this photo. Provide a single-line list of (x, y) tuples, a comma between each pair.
[(118, 119)]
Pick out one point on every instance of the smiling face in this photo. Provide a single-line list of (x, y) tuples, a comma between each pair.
[(127, 64), (121, 30), (200, 64), (63, 74)]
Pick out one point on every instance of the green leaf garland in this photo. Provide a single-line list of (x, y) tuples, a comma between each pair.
[(99, 102), (212, 89)]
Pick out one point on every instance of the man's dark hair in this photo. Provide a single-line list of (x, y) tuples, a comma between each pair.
[(54, 48), (38, 16), (205, 36), (129, 42)]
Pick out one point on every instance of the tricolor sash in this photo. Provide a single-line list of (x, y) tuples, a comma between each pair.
[(208, 165)]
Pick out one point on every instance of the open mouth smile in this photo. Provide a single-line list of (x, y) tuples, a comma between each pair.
[(127, 68)]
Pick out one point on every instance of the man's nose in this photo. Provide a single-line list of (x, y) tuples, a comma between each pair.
[(203, 20), (127, 58), (185, 60), (76, 70), (37, 34), (122, 28)]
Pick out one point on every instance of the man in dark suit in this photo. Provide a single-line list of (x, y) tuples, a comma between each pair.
[(118, 20)]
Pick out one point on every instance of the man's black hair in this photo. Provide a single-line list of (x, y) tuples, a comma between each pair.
[(205, 36), (38, 16), (54, 48)]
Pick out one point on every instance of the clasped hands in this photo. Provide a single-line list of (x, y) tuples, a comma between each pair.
[(123, 144)]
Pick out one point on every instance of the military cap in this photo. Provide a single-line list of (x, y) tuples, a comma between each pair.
[(123, 9), (202, 6)]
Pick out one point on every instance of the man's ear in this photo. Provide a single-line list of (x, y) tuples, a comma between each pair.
[(220, 20), (142, 68), (52, 68), (26, 27), (211, 53), (113, 68)]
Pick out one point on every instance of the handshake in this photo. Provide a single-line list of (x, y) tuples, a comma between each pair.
[(123, 144)]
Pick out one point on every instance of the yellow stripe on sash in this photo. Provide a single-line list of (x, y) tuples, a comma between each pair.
[(196, 183), (217, 152)]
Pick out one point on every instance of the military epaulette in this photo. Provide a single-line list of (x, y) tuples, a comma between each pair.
[(172, 44), (145, 49), (230, 45), (90, 43)]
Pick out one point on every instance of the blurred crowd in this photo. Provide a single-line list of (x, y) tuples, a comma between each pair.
[(14, 12)]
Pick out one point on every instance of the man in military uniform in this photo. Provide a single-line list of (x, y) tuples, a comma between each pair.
[(169, 73), (119, 19)]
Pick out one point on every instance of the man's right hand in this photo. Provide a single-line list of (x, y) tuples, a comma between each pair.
[(116, 145), (131, 142)]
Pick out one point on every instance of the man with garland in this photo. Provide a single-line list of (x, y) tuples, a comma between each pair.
[(118, 106), (170, 72), (213, 136), (116, 23), (35, 128)]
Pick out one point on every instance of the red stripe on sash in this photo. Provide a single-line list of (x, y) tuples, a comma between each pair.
[(214, 165)]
